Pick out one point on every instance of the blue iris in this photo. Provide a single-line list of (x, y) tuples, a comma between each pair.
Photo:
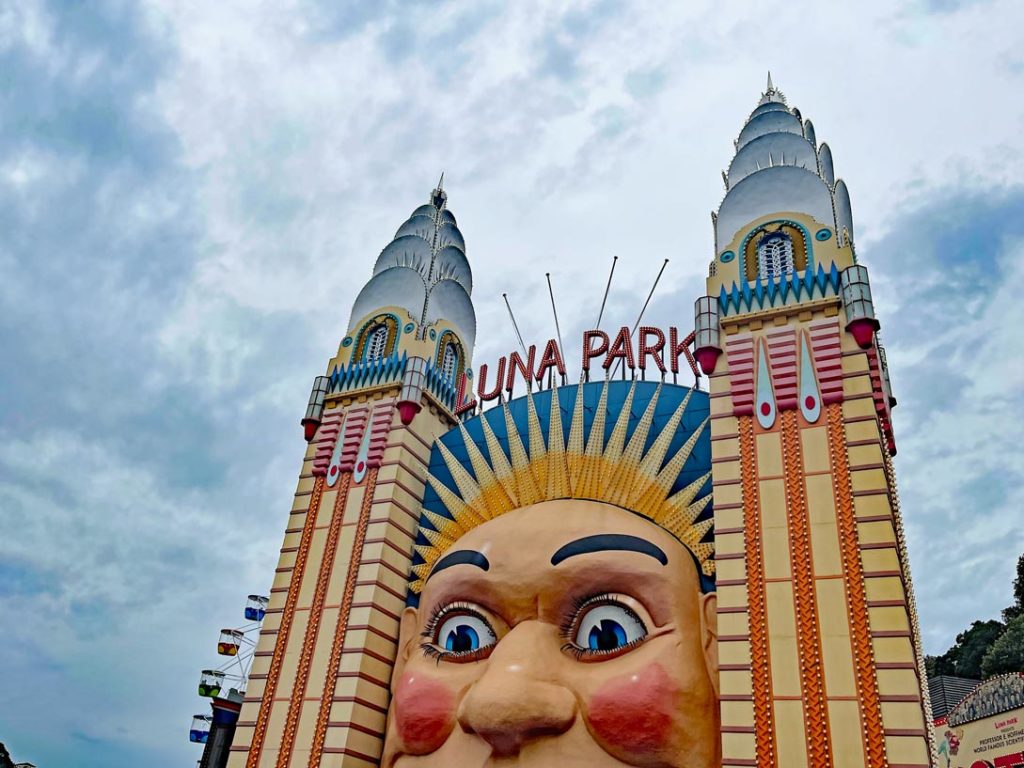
[(607, 636), (462, 639)]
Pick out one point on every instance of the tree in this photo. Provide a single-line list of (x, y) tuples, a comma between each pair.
[(1017, 609), (1007, 652), (940, 665), (972, 645)]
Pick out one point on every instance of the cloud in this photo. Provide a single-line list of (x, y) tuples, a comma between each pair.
[(946, 277), (192, 194)]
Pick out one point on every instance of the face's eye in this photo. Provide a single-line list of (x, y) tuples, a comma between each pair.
[(606, 628), (460, 633), (465, 633)]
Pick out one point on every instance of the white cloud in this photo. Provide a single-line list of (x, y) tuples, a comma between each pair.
[(302, 134)]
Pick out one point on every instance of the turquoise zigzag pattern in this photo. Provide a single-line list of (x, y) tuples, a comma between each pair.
[(441, 387), (367, 373), (385, 370), (775, 292)]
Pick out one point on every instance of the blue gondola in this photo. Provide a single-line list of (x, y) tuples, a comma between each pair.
[(200, 731), (256, 607)]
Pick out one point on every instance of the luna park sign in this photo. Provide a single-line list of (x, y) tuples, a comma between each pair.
[(652, 349)]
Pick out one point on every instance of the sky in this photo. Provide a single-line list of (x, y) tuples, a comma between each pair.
[(192, 194)]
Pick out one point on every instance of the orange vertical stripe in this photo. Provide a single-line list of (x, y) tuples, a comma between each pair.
[(812, 673), (274, 673), (860, 629), (760, 666), (340, 629), (316, 609)]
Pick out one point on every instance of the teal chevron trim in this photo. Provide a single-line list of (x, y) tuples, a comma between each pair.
[(440, 386), (367, 373), (810, 284)]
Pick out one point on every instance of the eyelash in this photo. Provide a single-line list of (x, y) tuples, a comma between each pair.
[(437, 615), (567, 629), (570, 625)]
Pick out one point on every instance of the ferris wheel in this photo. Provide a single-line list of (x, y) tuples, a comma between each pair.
[(237, 645)]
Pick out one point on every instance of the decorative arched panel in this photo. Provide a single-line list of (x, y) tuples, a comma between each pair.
[(448, 345), (369, 338), (803, 255)]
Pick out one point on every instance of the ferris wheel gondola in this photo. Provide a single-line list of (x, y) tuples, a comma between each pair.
[(238, 644), (210, 682), (199, 733), (256, 607), (230, 642)]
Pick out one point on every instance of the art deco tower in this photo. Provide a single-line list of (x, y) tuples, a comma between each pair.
[(819, 646), (318, 692)]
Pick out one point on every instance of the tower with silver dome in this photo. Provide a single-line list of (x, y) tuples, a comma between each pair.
[(821, 659), (318, 690)]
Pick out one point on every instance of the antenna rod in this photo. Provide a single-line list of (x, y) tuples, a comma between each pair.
[(606, 289), (514, 323), (554, 311), (644, 309)]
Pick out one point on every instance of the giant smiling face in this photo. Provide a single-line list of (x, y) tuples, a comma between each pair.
[(567, 633)]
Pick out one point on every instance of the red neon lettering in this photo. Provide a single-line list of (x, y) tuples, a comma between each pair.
[(654, 350), (482, 383), (462, 403), (515, 363), (622, 347), (552, 357), (677, 348), (589, 352)]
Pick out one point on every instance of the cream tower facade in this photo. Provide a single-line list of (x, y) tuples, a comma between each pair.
[(818, 640), (318, 691)]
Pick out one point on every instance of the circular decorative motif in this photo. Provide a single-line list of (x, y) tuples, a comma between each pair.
[(726, 257), (823, 234), (433, 334), (409, 328), (469, 374), (347, 341)]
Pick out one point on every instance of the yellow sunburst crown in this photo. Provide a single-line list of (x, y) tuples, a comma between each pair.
[(540, 463)]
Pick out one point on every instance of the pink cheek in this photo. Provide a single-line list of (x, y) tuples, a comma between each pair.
[(634, 713), (424, 713)]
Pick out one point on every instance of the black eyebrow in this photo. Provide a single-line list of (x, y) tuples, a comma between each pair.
[(603, 542), (462, 557)]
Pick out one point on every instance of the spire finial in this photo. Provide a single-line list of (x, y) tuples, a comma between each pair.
[(771, 94), (439, 196)]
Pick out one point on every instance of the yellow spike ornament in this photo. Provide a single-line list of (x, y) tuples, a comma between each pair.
[(534, 462)]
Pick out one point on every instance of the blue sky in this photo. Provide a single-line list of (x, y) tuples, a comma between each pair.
[(192, 193)]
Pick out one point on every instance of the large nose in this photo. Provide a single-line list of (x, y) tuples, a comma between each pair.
[(517, 699)]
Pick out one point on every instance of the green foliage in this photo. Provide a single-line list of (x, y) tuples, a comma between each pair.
[(1017, 609), (1007, 652), (972, 645), (975, 654), (940, 665)]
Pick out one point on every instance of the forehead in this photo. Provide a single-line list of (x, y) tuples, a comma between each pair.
[(551, 524), (519, 546)]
